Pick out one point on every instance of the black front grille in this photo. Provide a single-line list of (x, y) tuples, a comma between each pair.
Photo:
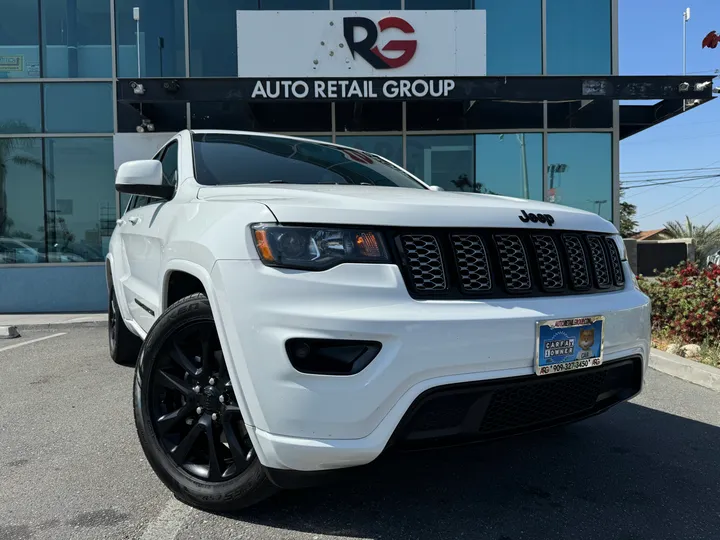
[(489, 409), (491, 264)]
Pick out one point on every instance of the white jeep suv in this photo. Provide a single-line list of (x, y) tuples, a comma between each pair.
[(296, 307)]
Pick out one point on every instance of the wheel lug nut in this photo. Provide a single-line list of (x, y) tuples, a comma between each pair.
[(198, 410), (196, 389), (221, 399), (189, 421), (211, 381), (214, 416)]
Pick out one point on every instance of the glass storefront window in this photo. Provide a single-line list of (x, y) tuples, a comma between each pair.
[(442, 160), (387, 146), (506, 20), (213, 28), (580, 171), (22, 115), (80, 198), (438, 4), (19, 39), (579, 37), (509, 164), (76, 38), (366, 4), (78, 108), (162, 41), (22, 229)]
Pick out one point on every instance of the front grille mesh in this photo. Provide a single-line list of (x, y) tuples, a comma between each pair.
[(513, 260), (486, 263), (472, 262), (577, 261), (424, 261), (600, 265), (548, 261), (615, 263)]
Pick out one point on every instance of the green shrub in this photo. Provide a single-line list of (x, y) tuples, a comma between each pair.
[(686, 303)]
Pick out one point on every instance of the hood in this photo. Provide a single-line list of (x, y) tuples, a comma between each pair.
[(401, 207)]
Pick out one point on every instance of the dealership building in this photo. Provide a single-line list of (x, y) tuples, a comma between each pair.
[(510, 97)]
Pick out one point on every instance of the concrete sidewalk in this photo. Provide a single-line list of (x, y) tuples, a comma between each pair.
[(45, 320)]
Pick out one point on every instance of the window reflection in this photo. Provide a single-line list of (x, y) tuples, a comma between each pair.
[(162, 41), (506, 20), (22, 229), (366, 4), (80, 198), (438, 4), (76, 38), (19, 39), (578, 37), (78, 108), (389, 147), (509, 164), (24, 114), (213, 28), (580, 171), (442, 160)]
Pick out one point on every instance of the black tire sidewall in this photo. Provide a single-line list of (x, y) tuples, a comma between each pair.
[(250, 486)]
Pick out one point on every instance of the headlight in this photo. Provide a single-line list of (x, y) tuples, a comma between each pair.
[(317, 248), (621, 246)]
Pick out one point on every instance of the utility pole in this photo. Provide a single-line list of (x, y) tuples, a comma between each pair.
[(686, 18)]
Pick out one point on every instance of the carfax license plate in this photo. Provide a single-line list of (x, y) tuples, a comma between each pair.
[(569, 344)]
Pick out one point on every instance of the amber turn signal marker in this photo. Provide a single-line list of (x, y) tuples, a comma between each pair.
[(368, 245), (263, 246)]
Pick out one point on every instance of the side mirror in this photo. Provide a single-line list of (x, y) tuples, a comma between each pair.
[(436, 188), (144, 177)]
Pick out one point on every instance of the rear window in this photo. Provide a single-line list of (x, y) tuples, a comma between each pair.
[(233, 159)]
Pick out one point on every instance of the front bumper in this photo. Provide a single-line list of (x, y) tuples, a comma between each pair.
[(314, 422)]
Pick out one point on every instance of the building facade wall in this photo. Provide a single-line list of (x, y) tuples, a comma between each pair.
[(59, 60)]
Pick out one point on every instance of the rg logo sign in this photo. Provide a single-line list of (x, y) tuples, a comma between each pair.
[(367, 48)]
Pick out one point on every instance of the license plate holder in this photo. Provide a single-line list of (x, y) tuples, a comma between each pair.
[(569, 344)]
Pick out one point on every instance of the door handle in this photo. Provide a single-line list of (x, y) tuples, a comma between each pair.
[(134, 220), (120, 222)]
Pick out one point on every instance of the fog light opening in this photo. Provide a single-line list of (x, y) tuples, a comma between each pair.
[(331, 356)]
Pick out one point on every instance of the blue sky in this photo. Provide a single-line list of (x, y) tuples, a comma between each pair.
[(651, 44)]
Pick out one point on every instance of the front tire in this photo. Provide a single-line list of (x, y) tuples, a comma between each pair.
[(123, 344), (187, 415)]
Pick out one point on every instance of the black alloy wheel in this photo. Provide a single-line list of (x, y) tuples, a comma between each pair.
[(193, 407), (112, 324), (123, 344), (187, 415)]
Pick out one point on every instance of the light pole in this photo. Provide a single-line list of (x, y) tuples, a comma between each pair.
[(686, 18), (136, 18)]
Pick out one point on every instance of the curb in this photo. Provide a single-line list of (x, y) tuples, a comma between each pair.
[(49, 326), (687, 370)]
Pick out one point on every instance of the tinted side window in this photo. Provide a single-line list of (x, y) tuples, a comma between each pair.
[(170, 165)]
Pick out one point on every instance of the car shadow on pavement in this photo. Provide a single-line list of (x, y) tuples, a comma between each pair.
[(633, 473)]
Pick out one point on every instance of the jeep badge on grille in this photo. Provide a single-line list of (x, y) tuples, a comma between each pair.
[(535, 218)]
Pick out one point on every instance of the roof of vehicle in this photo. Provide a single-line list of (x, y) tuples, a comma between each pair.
[(272, 135)]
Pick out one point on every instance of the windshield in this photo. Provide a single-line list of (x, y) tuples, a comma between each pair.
[(231, 159)]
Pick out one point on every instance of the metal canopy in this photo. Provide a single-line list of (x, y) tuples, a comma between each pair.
[(532, 89)]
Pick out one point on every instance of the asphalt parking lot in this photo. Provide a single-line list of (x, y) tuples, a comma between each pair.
[(71, 467)]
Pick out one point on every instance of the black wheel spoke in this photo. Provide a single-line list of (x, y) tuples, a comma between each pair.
[(173, 383), (181, 451), (181, 359), (168, 421), (235, 433), (214, 449)]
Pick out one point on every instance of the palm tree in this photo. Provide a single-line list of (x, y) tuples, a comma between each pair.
[(706, 237), (11, 154)]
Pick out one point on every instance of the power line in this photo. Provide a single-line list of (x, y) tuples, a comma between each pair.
[(684, 199), (671, 170)]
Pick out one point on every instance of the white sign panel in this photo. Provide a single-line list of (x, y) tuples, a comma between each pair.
[(351, 44)]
